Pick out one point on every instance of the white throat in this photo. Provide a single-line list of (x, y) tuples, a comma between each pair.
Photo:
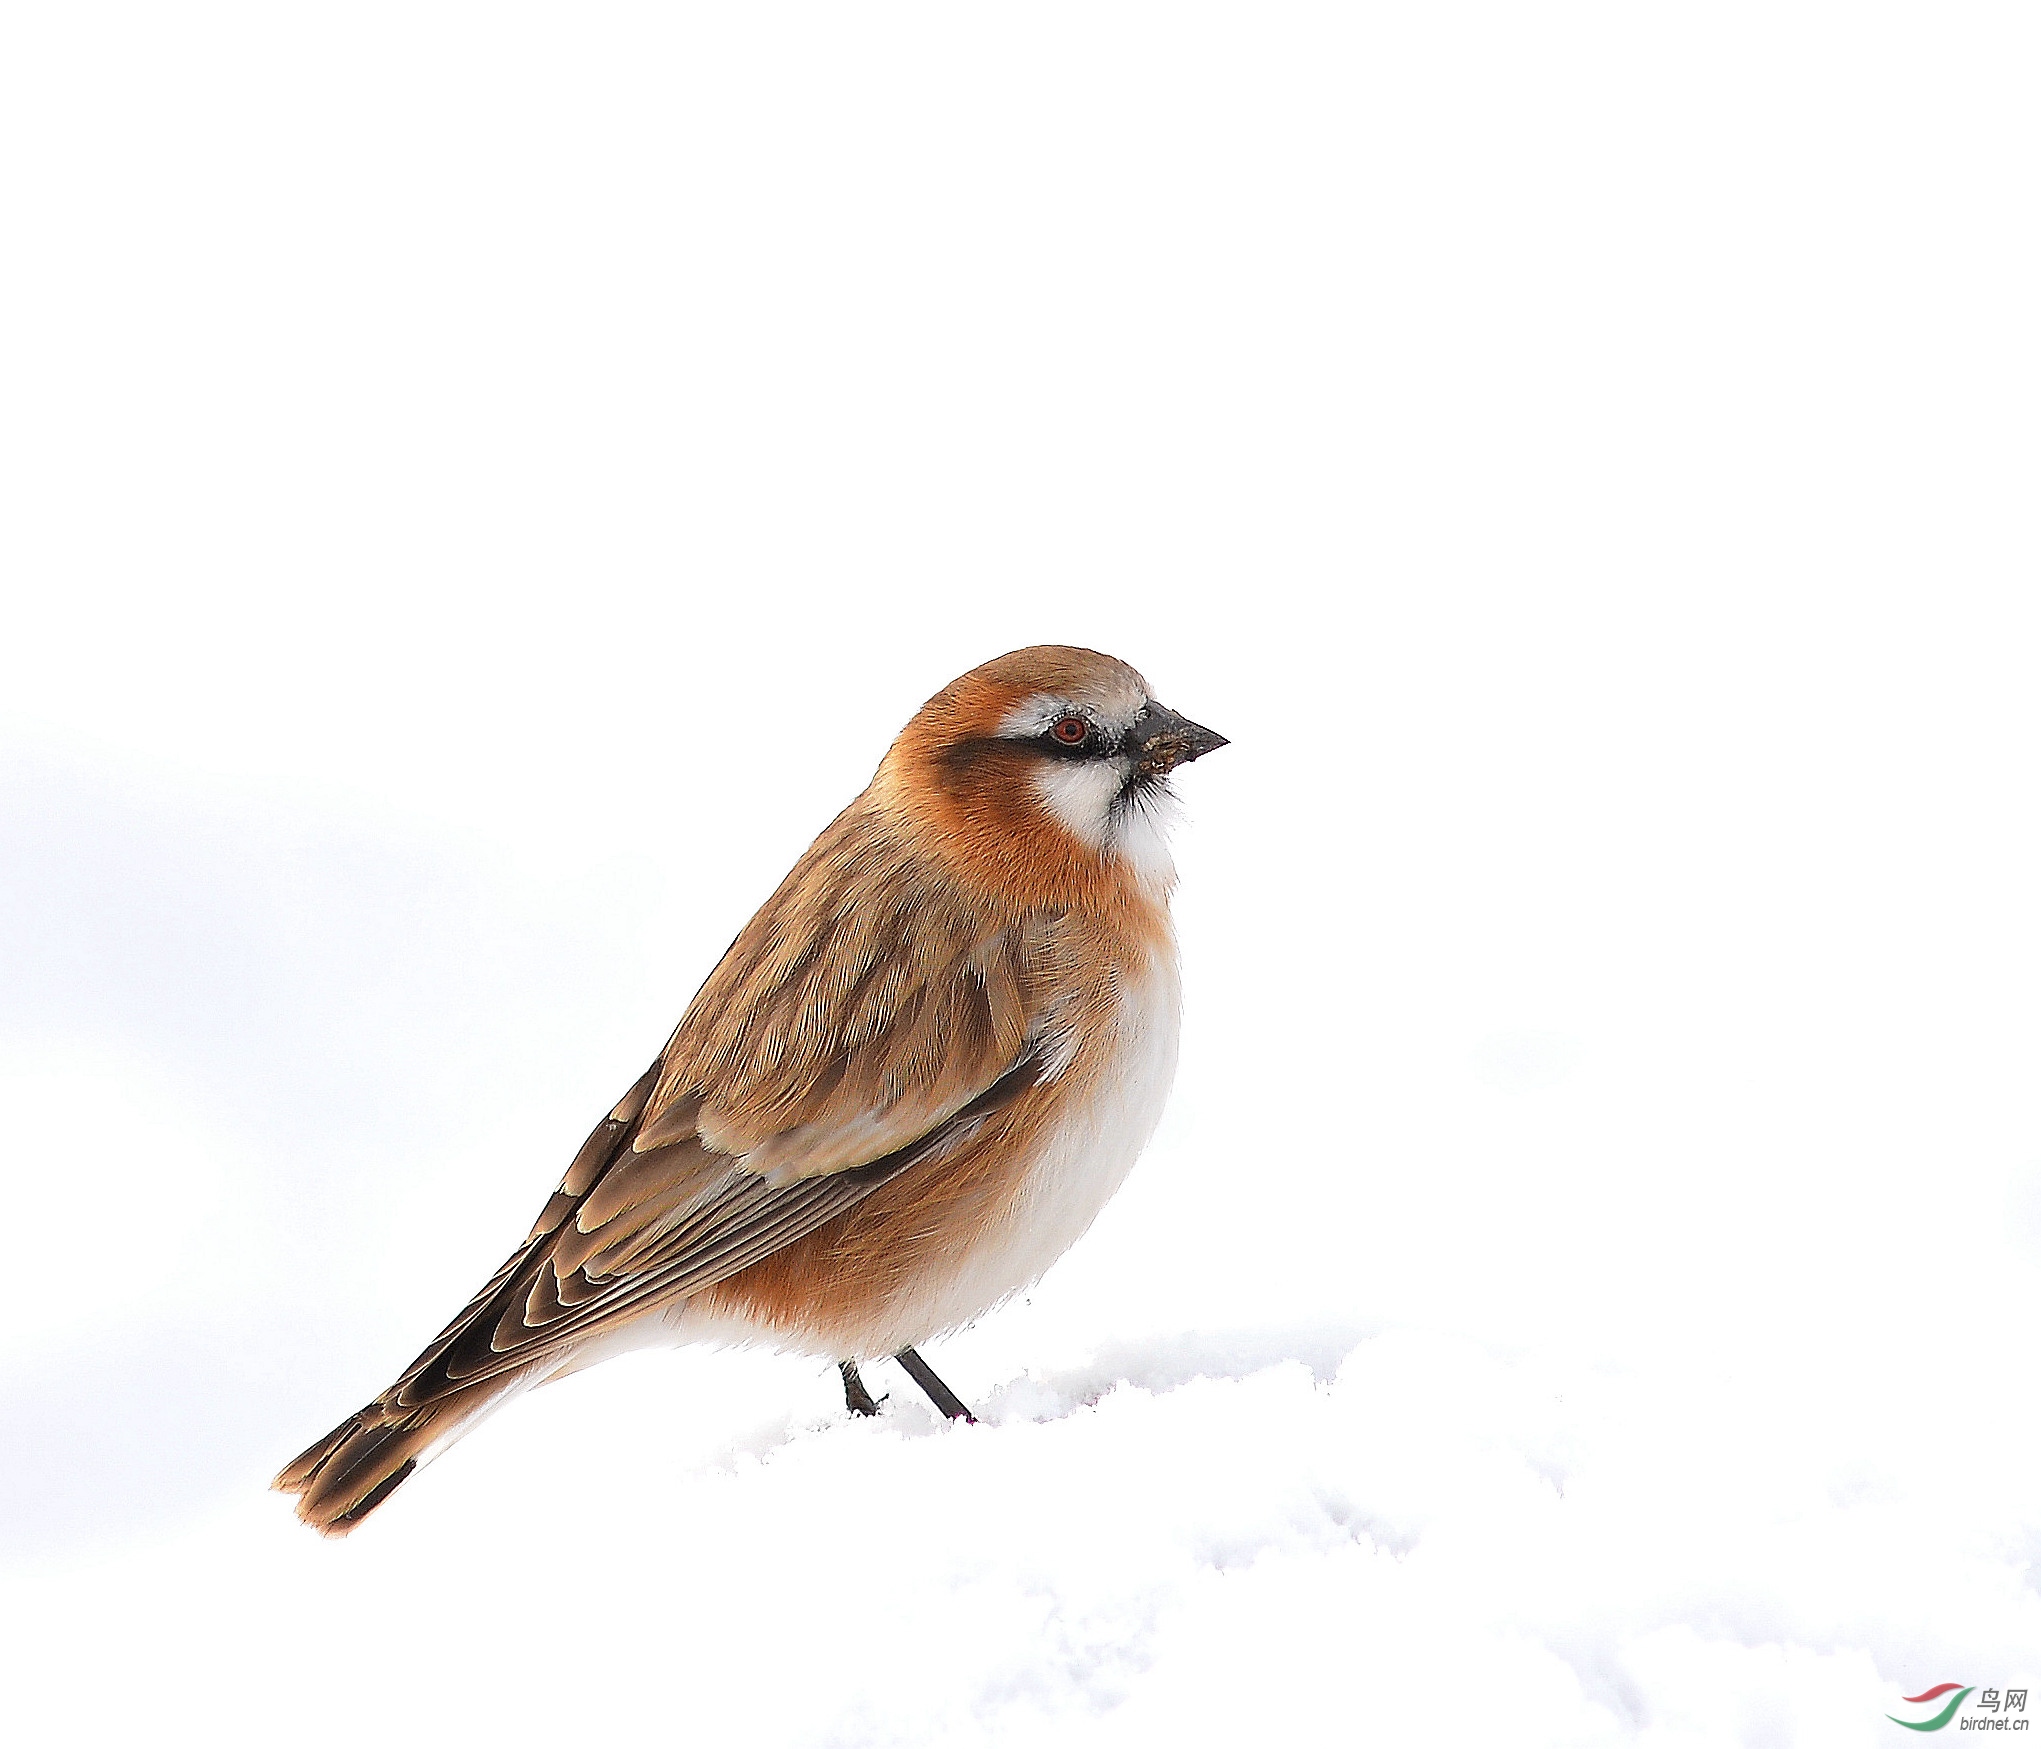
[(1084, 795)]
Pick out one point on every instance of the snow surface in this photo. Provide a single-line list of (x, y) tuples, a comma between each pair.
[(1201, 1539), (483, 486)]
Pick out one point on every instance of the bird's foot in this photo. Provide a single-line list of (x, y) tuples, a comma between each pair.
[(856, 1398)]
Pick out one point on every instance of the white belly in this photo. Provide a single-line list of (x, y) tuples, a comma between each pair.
[(1083, 1160)]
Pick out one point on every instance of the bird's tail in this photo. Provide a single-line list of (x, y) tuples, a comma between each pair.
[(360, 1464)]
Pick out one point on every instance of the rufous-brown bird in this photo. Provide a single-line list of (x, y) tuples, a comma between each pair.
[(908, 1087)]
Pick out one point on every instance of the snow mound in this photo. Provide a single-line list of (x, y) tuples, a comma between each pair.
[(1194, 1539)]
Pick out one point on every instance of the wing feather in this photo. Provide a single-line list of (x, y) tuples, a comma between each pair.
[(538, 1310), (860, 1007), (861, 1024)]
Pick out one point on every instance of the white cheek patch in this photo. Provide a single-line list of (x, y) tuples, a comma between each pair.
[(1080, 792)]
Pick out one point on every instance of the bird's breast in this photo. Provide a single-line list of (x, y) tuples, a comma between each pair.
[(935, 1248), (1094, 1130)]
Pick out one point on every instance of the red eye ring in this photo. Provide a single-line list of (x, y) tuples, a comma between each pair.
[(1071, 731)]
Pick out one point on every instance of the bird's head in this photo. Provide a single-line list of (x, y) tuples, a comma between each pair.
[(1047, 765)]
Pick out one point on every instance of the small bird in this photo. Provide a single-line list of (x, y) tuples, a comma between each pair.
[(908, 1087)]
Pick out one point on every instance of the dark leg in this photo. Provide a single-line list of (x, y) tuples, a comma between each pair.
[(859, 1400), (936, 1391)]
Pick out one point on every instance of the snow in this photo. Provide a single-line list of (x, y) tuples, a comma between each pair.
[(483, 488), (1182, 1540)]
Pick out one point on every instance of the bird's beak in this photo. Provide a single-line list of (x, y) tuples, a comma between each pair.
[(1160, 740)]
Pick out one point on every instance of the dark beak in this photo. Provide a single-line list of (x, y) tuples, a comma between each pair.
[(1160, 740)]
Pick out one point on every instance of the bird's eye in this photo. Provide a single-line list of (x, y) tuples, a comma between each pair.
[(1071, 731)]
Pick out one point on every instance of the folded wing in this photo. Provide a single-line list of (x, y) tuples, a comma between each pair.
[(855, 1029)]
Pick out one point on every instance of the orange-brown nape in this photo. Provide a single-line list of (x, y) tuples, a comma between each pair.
[(909, 1085)]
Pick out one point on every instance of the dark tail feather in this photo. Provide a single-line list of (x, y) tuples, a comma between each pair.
[(358, 1466)]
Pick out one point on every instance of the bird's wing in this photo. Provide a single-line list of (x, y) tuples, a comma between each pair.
[(803, 1077), (858, 1009)]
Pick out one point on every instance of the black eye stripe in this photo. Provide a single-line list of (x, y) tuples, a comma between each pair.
[(962, 755)]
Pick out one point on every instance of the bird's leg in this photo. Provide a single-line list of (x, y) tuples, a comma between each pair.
[(856, 1398), (932, 1387)]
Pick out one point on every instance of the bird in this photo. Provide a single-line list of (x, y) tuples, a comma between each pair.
[(910, 1084)]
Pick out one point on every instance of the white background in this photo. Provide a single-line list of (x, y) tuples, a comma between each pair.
[(481, 488)]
